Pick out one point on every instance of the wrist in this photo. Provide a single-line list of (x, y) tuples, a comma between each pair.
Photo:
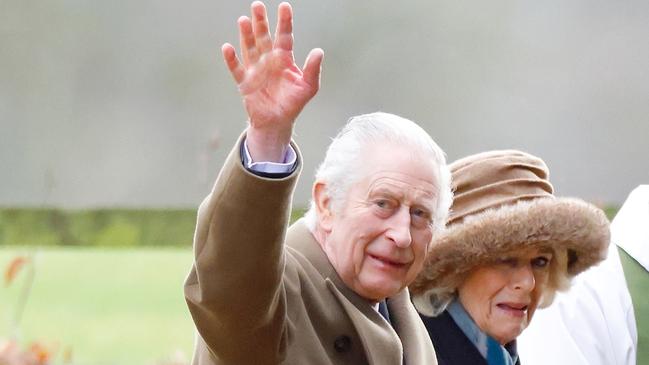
[(267, 145)]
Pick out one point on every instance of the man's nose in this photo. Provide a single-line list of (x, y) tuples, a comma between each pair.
[(523, 278), (399, 229)]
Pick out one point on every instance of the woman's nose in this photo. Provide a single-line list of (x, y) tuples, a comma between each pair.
[(523, 278)]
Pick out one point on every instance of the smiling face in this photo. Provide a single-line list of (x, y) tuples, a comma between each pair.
[(378, 240), (501, 298)]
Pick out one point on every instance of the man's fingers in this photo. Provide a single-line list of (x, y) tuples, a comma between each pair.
[(249, 51), (312, 68), (260, 27), (284, 31), (231, 60)]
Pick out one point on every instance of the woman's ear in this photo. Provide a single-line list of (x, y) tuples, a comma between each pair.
[(323, 206)]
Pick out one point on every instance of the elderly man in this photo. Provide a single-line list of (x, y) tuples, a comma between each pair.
[(333, 289)]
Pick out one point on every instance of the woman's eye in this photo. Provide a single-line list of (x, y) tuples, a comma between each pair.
[(508, 261), (540, 262)]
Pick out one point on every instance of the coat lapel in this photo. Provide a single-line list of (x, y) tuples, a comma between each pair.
[(417, 345), (381, 343)]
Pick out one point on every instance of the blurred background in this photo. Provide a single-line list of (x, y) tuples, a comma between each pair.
[(116, 116)]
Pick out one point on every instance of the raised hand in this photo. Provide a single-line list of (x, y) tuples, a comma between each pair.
[(273, 87)]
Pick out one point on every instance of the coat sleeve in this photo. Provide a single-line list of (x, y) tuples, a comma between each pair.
[(234, 290)]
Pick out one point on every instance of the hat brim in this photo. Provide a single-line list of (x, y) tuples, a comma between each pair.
[(559, 223)]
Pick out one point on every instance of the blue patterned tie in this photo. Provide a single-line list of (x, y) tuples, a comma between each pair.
[(383, 311)]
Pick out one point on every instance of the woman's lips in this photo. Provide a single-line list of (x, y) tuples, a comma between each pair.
[(514, 309)]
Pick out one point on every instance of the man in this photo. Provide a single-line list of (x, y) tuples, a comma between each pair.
[(333, 289), (594, 323)]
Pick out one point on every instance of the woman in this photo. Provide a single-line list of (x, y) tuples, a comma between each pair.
[(508, 247)]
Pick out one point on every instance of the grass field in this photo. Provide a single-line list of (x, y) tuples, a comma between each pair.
[(109, 306), (126, 306)]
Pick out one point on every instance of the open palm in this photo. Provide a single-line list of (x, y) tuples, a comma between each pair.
[(273, 87)]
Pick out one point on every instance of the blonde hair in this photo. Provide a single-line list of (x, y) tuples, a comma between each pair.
[(558, 279), (435, 300)]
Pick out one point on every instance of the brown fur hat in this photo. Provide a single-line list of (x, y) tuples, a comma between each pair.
[(504, 202)]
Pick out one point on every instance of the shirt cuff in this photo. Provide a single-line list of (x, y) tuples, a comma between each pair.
[(286, 166)]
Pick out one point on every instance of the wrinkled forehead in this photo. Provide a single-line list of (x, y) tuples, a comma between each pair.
[(401, 182), (403, 187), (399, 166)]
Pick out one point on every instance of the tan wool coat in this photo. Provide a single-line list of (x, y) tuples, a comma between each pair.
[(259, 295)]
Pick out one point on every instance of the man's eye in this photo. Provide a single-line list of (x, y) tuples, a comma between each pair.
[(420, 214), (540, 262), (384, 204), (420, 217)]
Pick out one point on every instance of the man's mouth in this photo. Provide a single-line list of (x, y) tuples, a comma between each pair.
[(388, 262)]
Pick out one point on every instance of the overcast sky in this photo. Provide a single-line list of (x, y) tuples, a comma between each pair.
[(127, 103)]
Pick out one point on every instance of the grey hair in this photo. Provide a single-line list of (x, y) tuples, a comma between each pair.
[(340, 168)]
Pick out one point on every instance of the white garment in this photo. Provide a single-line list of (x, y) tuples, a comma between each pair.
[(593, 323), (630, 227), (290, 157)]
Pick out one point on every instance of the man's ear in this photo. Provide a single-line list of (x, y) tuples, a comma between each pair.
[(323, 206)]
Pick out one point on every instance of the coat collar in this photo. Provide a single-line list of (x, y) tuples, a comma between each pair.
[(382, 343)]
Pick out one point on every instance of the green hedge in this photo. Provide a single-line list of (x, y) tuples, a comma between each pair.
[(100, 227), (107, 227)]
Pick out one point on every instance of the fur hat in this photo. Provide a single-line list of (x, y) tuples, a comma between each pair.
[(504, 202)]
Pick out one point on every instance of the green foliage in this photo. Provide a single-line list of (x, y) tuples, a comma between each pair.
[(610, 211), (297, 213), (100, 227), (38, 225), (103, 227), (638, 282), (120, 233)]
